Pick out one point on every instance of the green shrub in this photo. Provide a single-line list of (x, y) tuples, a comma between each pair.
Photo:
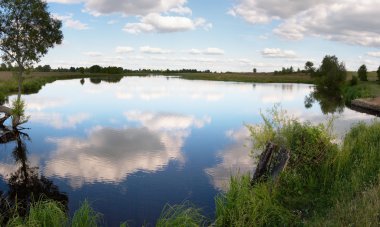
[(354, 80)]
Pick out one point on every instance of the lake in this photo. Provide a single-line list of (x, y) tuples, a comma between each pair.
[(132, 146)]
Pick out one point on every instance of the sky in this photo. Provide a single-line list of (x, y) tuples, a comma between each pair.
[(219, 35)]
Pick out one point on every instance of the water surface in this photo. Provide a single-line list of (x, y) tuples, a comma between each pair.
[(131, 147)]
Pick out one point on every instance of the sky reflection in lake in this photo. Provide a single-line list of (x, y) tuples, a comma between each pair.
[(131, 147)]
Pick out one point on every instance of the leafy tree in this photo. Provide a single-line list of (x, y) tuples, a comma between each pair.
[(27, 31), (309, 67), (331, 75), (362, 73), (3, 67), (378, 73), (95, 69)]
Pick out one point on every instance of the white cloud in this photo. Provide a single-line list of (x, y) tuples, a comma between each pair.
[(278, 53), (69, 22), (165, 24), (195, 51), (112, 22), (93, 54), (181, 10), (213, 51), (153, 50), (129, 7), (343, 21), (124, 49), (207, 51), (374, 54)]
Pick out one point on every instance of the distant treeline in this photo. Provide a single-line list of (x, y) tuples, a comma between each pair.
[(100, 69), (290, 70)]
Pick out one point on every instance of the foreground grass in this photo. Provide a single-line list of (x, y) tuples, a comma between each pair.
[(324, 184), (48, 213)]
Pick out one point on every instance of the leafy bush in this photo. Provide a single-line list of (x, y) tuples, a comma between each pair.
[(354, 80), (362, 73)]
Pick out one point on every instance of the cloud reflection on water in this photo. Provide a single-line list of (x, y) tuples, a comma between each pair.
[(110, 155)]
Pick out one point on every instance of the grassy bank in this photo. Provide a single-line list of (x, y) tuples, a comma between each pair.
[(33, 82), (249, 77), (323, 184), (47, 213)]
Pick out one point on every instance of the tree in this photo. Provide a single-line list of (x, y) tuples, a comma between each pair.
[(95, 69), (254, 70), (27, 31), (378, 73), (362, 73), (331, 75), (309, 67)]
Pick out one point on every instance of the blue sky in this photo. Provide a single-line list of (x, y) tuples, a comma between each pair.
[(220, 35)]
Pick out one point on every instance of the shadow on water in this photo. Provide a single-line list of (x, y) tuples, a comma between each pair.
[(329, 101), (26, 184)]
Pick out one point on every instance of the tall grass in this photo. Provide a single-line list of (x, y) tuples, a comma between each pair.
[(48, 213), (319, 174), (185, 215), (85, 216)]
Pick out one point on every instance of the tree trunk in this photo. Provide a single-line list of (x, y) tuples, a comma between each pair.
[(20, 72), (7, 112)]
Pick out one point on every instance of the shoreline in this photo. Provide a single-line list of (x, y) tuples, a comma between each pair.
[(367, 105)]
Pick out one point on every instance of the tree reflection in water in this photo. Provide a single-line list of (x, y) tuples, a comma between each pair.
[(26, 185), (330, 101)]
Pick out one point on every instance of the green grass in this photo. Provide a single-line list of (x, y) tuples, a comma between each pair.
[(185, 215), (85, 216), (47, 213), (321, 180), (249, 77)]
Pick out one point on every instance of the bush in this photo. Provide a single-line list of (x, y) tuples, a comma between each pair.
[(354, 81), (362, 73)]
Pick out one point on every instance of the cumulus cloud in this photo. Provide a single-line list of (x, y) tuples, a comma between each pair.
[(153, 50), (124, 49), (155, 22), (93, 54), (343, 21), (130, 7), (374, 54), (278, 53), (69, 22), (207, 51)]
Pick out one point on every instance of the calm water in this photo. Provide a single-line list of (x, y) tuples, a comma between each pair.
[(131, 147)]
